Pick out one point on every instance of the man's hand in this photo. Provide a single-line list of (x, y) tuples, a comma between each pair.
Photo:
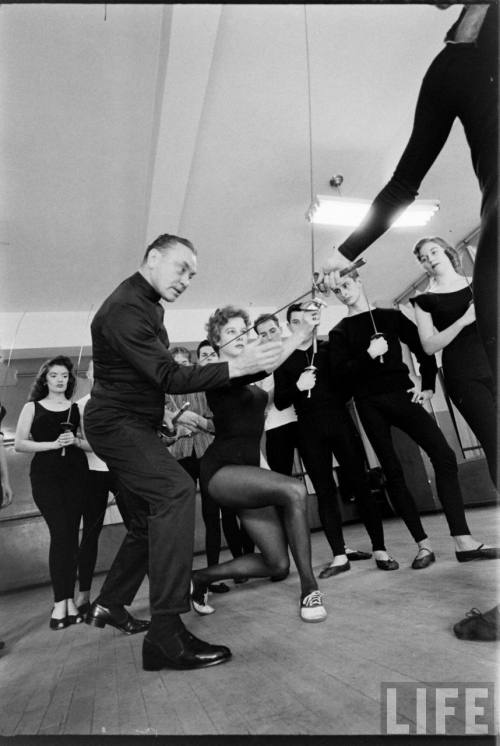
[(378, 347), (420, 397), (329, 276), (306, 380), (192, 421), (258, 356)]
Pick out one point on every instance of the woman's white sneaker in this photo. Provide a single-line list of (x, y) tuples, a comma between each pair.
[(312, 609), (199, 602)]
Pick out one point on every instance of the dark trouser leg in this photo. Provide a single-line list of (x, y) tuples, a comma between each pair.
[(280, 447), (476, 400), (377, 425), (316, 454), (419, 425), (94, 508), (348, 450), (59, 499), (160, 496)]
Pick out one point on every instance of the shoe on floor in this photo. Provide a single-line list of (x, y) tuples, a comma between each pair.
[(199, 600), (479, 627), (480, 553), (358, 555), (116, 616), (218, 588), (181, 650), (388, 564), (420, 563), (57, 624), (332, 570), (312, 609)]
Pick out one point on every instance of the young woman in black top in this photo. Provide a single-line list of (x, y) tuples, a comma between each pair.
[(231, 473), (446, 321), (57, 475)]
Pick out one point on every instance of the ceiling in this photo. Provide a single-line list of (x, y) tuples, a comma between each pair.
[(193, 119)]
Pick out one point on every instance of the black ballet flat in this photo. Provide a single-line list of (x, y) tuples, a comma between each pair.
[(332, 570), (358, 555), (388, 564), (57, 624), (481, 553), (74, 619), (420, 563)]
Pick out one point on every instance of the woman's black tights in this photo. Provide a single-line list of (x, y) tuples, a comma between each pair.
[(255, 494)]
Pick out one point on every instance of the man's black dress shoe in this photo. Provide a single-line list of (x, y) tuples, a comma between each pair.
[(388, 564), (99, 616), (480, 553), (420, 563), (358, 555), (332, 570), (181, 651)]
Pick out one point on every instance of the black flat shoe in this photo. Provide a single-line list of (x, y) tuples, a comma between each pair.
[(57, 624), (388, 564), (181, 651), (420, 563), (118, 617), (358, 555), (478, 554), (218, 588), (330, 571), (74, 619)]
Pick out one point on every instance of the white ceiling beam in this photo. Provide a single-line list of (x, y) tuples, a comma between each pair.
[(191, 46)]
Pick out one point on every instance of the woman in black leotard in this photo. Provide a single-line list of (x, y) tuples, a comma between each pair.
[(58, 475), (231, 474), (446, 321)]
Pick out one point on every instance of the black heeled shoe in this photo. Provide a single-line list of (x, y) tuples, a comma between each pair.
[(57, 624)]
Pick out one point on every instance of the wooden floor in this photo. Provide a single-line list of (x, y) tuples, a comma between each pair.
[(286, 677)]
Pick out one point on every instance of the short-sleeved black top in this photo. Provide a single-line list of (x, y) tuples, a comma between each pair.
[(464, 355)]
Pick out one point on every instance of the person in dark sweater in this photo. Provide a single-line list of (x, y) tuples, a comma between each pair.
[(461, 82), (325, 427), (372, 365)]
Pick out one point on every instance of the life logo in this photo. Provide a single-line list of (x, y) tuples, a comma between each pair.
[(437, 708)]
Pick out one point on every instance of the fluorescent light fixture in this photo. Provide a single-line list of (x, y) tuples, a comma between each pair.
[(329, 210)]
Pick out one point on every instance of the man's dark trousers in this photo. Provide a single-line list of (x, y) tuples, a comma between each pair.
[(160, 496)]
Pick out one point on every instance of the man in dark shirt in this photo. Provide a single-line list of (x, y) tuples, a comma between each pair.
[(325, 427), (372, 366), (461, 82), (133, 370)]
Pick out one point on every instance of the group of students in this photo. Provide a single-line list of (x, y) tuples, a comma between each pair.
[(217, 440)]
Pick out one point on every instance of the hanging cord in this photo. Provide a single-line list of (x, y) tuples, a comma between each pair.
[(311, 365)]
